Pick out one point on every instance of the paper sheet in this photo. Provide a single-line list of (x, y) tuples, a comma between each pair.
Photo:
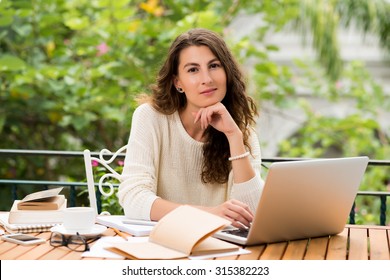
[(97, 249)]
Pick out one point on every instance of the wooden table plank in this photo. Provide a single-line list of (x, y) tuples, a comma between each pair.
[(358, 248), (377, 240), (255, 253), (234, 257), (37, 252), (296, 250), (5, 247), (337, 248), (367, 242), (368, 226), (57, 254), (19, 251), (274, 251), (316, 249)]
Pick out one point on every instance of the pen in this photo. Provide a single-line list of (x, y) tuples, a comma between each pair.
[(121, 234)]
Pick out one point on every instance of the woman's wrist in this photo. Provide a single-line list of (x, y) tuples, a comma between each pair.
[(235, 136)]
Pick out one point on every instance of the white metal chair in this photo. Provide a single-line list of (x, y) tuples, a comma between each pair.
[(111, 173)]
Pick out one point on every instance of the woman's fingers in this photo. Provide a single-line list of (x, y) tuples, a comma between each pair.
[(236, 212), (240, 214), (217, 116), (208, 115)]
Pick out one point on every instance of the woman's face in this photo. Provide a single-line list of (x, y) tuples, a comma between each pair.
[(201, 76)]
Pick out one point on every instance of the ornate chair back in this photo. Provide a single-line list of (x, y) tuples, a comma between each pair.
[(105, 187)]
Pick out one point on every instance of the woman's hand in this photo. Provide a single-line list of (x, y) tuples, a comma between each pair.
[(235, 211), (218, 117)]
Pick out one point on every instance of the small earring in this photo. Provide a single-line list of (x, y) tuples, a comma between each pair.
[(179, 89)]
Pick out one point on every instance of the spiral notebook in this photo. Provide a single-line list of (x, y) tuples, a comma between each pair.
[(23, 228)]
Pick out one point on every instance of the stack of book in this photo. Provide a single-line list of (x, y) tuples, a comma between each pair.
[(36, 212)]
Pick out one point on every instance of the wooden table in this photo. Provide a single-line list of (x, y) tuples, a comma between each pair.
[(356, 242)]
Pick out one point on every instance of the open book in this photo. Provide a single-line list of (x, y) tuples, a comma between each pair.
[(39, 208), (42, 200), (183, 232), (35, 216)]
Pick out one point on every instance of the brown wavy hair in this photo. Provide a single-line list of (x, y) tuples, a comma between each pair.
[(167, 100)]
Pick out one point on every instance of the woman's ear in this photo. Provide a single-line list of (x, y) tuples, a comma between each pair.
[(177, 85), (176, 82)]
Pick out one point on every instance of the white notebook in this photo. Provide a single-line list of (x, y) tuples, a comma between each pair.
[(117, 221), (23, 228)]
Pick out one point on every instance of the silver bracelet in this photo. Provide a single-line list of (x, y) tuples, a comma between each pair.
[(239, 156)]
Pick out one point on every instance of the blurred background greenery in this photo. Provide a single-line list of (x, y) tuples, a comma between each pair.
[(70, 69)]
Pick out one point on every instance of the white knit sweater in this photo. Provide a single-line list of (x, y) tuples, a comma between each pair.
[(162, 160)]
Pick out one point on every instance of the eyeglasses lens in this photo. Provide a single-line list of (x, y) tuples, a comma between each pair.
[(57, 239), (77, 243)]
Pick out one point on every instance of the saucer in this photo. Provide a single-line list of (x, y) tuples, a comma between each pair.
[(95, 231)]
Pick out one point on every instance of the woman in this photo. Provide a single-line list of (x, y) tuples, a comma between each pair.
[(192, 142)]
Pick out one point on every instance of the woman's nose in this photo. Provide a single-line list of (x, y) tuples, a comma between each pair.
[(206, 78)]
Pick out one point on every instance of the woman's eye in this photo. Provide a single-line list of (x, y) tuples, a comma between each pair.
[(193, 69), (215, 65)]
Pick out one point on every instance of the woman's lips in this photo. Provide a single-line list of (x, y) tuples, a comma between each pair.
[(208, 91)]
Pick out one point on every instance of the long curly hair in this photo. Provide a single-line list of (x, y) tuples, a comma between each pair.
[(167, 100)]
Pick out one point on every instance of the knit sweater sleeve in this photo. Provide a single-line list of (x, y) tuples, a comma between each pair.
[(250, 191), (138, 188)]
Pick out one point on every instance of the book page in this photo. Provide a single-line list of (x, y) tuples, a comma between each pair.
[(214, 246), (145, 251), (184, 227), (49, 203), (42, 194)]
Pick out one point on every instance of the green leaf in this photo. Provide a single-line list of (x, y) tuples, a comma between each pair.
[(77, 23), (11, 63), (5, 20)]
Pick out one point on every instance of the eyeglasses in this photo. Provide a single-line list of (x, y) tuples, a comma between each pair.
[(76, 242)]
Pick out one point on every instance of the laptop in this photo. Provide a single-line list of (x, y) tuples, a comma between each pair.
[(302, 199)]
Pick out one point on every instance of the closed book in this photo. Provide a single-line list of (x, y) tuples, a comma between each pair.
[(17, 216)]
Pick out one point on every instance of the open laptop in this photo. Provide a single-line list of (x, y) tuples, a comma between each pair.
[(301, 199)]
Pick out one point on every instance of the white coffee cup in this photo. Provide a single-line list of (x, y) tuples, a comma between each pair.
[(79, 219)]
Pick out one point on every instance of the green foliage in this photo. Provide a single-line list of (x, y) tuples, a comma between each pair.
[(358, 132), (320, 20), (70, 70)]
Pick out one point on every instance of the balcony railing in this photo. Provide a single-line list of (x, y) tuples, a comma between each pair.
[(14, 184)]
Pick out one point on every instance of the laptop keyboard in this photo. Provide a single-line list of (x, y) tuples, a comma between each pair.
[(238, 232)]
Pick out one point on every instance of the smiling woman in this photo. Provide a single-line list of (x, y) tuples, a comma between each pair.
[(201, 77), (192, 142)]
